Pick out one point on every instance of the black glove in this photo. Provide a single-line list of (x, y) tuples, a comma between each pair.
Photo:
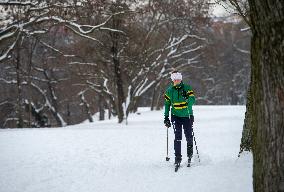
[(167, 122), (192, 118), (184, 94)]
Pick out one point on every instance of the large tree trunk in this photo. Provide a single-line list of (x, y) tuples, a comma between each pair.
[(117, 70), (246, 144), (119, 88), (267, 18)]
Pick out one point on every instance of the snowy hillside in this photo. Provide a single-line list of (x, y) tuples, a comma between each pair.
[(110, 157)]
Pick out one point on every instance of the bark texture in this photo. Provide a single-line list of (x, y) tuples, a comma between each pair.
[(267, 52), (20, 122), (246, 141), (117, 69)]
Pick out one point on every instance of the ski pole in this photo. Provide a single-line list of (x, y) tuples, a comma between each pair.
[(167, 158), (195, 145)]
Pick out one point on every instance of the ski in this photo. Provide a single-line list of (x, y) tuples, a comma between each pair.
[(177, 166), (188, 163)]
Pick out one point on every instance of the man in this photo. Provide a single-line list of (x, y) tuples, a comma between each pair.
[(180, 98)]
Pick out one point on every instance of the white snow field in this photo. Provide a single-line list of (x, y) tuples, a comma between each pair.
[(109, 157)]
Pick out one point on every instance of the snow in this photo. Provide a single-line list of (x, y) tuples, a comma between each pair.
[(105, 156), (220, 8)]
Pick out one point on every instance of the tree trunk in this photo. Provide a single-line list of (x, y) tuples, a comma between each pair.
[(153, 98), (119, 89), (160, 99), (133, 105), (19, 112), (117, 71), (86, 106), (40, 120), (246, 134), (109, 112), (29, 74), (68, 114), (267, 51), (101, 108), (54, 109)]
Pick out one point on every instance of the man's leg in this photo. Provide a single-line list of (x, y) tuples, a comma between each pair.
[(178, 137), (187, 126)]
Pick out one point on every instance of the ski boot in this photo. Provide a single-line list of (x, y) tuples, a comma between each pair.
[(177, 162), (189, 162), (189, 154)]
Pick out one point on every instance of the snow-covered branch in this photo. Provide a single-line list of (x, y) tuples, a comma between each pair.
[(55, 50), (44, 13), (8, 51), (241, 50), (49, 105), (83, 63), (85, 103)]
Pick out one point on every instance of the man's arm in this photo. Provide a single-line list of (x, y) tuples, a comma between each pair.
[(167, 104), (191, 97)]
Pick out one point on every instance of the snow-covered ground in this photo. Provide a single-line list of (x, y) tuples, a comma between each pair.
[(107, 157)]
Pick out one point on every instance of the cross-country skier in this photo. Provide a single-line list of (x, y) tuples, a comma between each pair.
[(180, 98)]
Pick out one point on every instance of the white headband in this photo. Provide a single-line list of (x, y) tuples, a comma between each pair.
[(176, 76)]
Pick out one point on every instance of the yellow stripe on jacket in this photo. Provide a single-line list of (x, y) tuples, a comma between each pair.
[(190, 93), (180, 105)]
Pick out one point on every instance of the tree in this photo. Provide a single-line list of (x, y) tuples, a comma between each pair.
[(150, 39), (168, 40), (267, 54), (264, 121), (222, 76), (26, 20)]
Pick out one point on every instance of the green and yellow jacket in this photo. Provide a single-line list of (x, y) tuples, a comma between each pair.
[(180, 99)]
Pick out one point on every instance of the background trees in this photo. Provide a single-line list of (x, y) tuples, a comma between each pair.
[(66, 61)]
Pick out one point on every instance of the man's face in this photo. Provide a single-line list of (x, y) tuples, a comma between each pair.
[(176, 81)]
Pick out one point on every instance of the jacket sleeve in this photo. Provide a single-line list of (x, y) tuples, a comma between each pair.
[(191, 97), (167, 103)]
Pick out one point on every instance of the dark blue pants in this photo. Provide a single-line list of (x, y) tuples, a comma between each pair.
[(186, 124)]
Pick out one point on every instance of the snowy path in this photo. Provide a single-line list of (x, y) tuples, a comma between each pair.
[(108, 157)]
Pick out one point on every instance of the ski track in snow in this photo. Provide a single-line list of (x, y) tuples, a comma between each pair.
[(106, 156)]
